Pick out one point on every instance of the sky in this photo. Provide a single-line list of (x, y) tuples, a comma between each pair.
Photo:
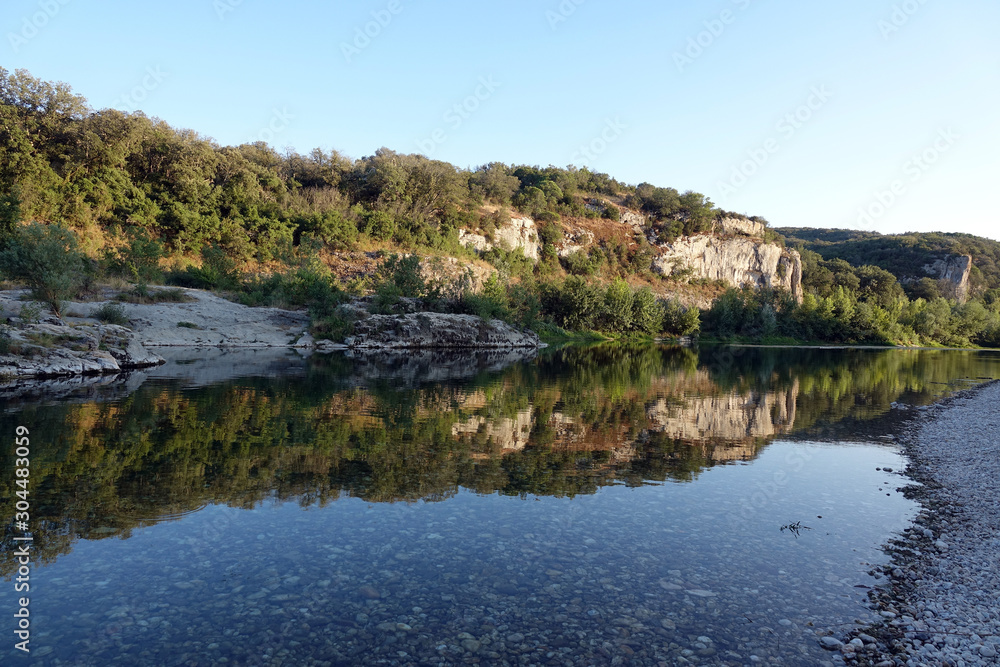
[(865, 114)]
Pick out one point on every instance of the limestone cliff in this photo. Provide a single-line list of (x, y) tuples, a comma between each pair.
[(517, 234), (734, 252), (953, 273), (738, 261)]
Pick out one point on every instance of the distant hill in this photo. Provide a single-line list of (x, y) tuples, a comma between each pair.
[(903, 255)]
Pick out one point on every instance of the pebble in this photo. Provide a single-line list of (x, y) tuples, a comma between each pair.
[(949, 596)]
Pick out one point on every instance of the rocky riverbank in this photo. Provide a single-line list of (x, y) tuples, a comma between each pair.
[(939, 595), (40, 345)]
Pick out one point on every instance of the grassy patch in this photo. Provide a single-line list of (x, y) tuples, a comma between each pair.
[(112, 313), (166, 295), (551, 334), (188, 325)]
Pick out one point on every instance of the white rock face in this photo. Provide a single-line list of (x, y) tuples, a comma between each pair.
[(634, 220), (518, 234), (954, 272), (740, 226), (739, 261)]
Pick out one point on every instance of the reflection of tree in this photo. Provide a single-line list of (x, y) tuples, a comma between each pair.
[(566, 423)]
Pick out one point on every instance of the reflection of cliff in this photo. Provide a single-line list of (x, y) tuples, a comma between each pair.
[(733, 418), (734, 423)]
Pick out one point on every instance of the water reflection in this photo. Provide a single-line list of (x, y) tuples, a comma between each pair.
[(581, 429)]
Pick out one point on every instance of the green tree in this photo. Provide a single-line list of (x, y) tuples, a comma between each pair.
[(48, 259)]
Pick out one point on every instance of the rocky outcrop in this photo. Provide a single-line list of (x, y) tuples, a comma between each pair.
[(51, 350), (738, 261), (574, 240), (739, 226), (517, 234), (436, 330), (953, 273)]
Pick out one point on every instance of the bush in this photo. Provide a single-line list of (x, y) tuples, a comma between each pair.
[(138, 260), (680, 321), (336, 325), (112, 313), (139, 295), (580, 263), (405, 274), (647, 312), (217, 271), (490, 303), (6, 342), (48, 259)]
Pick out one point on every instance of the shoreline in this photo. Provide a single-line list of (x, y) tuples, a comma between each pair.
[(43, 346), (938, 594)]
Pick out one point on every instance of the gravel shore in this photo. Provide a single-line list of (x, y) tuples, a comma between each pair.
[(940, 597)]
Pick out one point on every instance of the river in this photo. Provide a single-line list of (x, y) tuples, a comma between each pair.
[(617, 504)]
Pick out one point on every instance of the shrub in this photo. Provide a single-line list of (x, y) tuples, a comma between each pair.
[(31, 313), (491, 302), (48, 259), (112, 313), (678, 320), (188, 325), (580, 263), (6, 342), (336, 325), (647, 312), (171, 295), (138, 260), (218, 271)]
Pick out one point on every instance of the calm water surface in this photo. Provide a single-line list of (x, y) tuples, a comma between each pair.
[(612, 505)]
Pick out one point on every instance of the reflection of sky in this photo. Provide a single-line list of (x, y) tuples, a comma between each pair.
[(622, 552)]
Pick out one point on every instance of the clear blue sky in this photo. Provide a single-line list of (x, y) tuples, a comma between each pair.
[(888, 80)]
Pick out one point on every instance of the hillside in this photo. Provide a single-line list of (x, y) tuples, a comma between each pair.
[(91, 198), (904, 255), (131, 190)]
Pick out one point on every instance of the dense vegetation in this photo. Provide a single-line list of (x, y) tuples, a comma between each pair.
[(903, 255), (139, 195), (90, 194), (862, 287)]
